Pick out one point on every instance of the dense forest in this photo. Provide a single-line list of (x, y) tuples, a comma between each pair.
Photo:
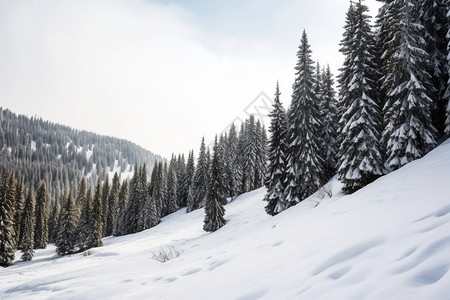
[(391, 107)]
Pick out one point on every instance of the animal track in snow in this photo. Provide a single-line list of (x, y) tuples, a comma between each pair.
[(191, 271)]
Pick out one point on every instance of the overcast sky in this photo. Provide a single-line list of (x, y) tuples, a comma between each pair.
[(160, 73)]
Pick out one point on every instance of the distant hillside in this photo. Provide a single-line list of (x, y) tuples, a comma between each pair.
[(61, 155)]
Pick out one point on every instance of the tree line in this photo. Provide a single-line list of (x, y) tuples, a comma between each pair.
[(392, 106), (85, 213)]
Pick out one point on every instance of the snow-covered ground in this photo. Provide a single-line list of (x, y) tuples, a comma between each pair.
[(390, 240)]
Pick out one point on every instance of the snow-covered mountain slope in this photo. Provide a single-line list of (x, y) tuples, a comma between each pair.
[(390, 240)]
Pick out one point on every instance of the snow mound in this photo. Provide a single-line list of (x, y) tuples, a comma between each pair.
[(389, 240)]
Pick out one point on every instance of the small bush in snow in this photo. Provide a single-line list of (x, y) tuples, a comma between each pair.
[(166, 253)]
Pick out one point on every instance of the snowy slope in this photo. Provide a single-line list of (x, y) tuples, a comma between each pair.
[(390, 240)]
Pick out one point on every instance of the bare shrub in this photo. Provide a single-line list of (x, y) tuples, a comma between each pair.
[(165, 253)]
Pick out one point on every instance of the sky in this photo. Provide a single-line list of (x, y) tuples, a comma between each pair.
[(159, 73)]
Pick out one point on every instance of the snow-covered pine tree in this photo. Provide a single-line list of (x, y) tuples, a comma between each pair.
[(65, 242), (41, 225), (345, 74), (409, 133), (19, 207), (447, 92), (53, 223), (156, 190), (199, 185), (132, 212), (328, 106), (172, 205), (7, 234), (214, 210), (112, 205), (261, 155), (121, 209), (277, 164), (105, 204), (84, 234), (305, 159), (188, 176), (360, 159), (96, 225), (233, 163), (27, 226), (164, 202), (250, 153), (181, 188), (433, 18)]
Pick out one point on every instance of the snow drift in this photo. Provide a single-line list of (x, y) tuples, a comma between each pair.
[(389, 240)]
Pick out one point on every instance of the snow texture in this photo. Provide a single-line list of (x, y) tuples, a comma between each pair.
[(388, 240)]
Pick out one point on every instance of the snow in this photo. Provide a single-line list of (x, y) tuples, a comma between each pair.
[(33, 145), (389, 240)]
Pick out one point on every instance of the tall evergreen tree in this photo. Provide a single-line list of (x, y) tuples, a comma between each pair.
[(7, 234), (409, 133), (19, 208), (41, 227), (172, 187), (96, 225), (27, 228), (360, 158), (214, 210), (345, 75), (433, 18), (105, 204), (84, 233), (122, 207), (199, 188), (329, 118), (66, 240), (304, 134), (277, 166), (181, 181), (112, 205), (447, 93), (53, 224)]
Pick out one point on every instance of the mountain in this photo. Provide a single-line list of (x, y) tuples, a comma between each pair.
[(388, 240), (62, 155)]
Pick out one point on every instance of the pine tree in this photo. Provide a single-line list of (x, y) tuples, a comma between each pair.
[(261, 155), (277, 165), (360, 159), (66, 240), (250, 153), (199, 185), (329, 118), (41, 227), (447, 93), (214, 209), (105, 204), (304, 134), (232, 160), (53, 222), (27, 227), (112, 205), (433, 18), (96, 224), (181, 177), (409, 133), (188, 176), (7, 234), (172, 187), (84, 234), (345, 75), (122, 207), (132, 212), (19, 208)]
